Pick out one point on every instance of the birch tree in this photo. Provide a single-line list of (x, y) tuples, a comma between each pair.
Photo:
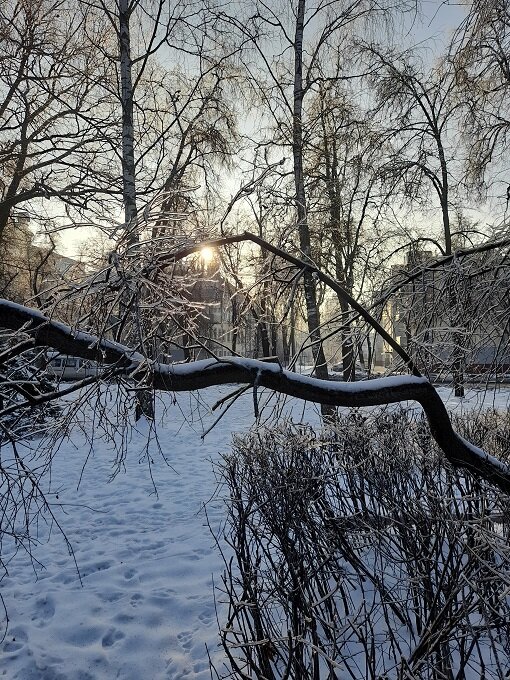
[(303, 227), (168, 80), (127, 102), (170, 125)]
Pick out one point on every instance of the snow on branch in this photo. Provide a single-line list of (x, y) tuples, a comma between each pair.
[(208, 372), (418, 273)]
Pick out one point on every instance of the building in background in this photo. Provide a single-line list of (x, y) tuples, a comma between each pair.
[(29, 272)]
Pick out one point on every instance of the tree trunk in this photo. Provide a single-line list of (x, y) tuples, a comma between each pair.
[(348, 353), (312, 312), (126, 82), (264, 336), (459, 359), (144, 399), (340, 240)]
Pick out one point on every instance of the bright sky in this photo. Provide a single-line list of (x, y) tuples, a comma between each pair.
[(432, 28), (438, 20)]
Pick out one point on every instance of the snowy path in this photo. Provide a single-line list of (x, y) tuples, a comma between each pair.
[(146, 608)]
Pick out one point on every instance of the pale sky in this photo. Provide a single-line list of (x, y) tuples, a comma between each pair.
[(438, 19), (432, 28)]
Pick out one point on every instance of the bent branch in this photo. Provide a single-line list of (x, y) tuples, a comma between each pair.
[(304, 266), (208, 372)]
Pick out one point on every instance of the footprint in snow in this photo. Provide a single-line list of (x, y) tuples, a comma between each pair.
[(111, 637), (136, 599), (44, 610), (206, 617), (16, 639), (185, 639)]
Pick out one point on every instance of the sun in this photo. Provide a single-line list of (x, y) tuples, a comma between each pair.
[(207, 255)]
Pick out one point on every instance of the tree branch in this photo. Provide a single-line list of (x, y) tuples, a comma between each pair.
[(208, 372), (302, 265)]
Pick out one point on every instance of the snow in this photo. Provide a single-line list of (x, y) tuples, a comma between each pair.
[(92, 340), (145, 607), (201, 365), (375, 384)]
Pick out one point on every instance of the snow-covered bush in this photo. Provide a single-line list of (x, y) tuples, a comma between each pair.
[(359, 553)]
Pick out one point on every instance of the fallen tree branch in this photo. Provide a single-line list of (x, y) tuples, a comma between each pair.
[(208, 372)]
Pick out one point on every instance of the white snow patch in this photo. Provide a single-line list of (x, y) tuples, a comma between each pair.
[(146, 608)]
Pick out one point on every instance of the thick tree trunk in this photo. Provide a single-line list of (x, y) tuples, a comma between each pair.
[(144, 400), (312, 311), (10, 195), (5, 211), (264, 313), (264, 337), (444, 197)]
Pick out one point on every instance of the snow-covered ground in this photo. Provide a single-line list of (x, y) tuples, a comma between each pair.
[(145, 606)]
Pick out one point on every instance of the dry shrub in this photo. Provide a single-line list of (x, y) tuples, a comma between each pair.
[(358, 553)]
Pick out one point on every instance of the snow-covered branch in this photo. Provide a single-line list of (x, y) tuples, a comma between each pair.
[(205, 373)]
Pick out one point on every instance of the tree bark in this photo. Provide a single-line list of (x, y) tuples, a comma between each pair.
[(127, 97), (312, 311), (457, 338), (144, 403)]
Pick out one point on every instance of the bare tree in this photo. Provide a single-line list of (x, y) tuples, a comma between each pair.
[(284, 80), (423, 111), (480, 51), (299, 183), (420, 110), (172, 128), (168, 80), (125, 10), (349, 197), (49, 88)]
